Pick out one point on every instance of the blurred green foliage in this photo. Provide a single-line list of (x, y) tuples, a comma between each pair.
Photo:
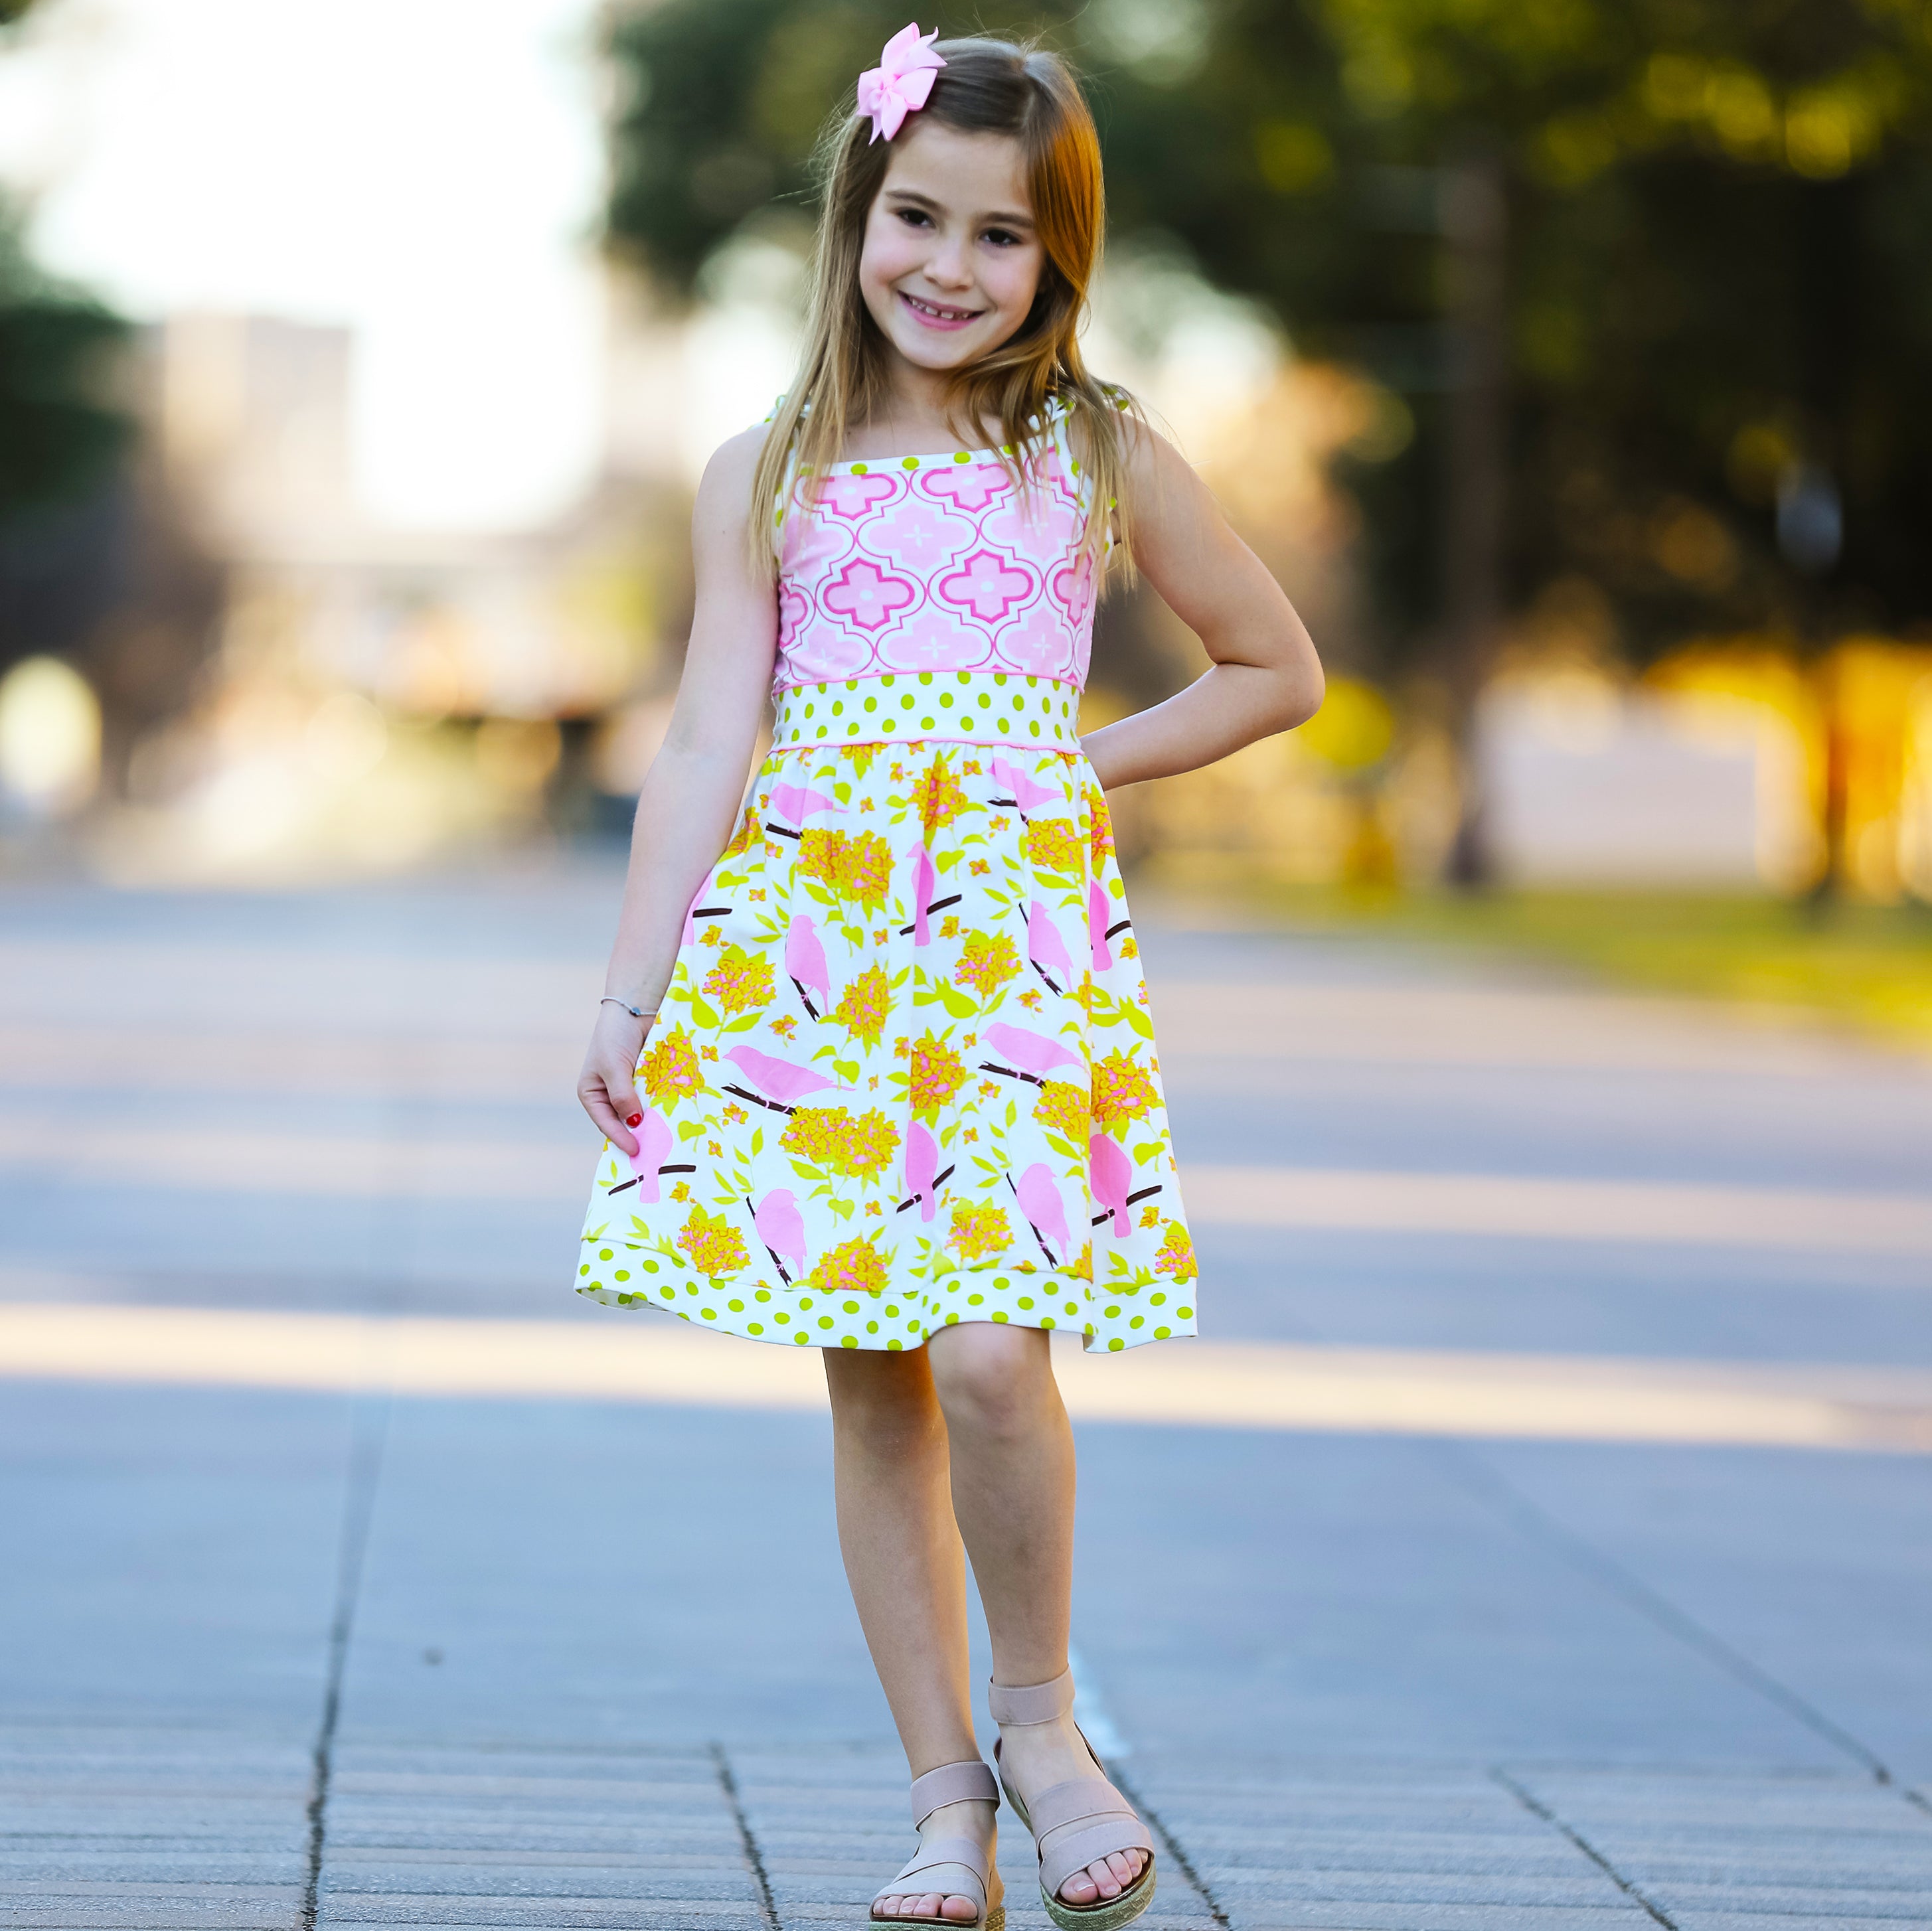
[(1719, 279), (61, 432)]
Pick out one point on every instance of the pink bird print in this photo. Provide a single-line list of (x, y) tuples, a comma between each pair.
[(1046, 950), (1040, 1201), (1097, 933), (653, 1137), (781, 1228), (924, 877), (782, 1081), (1027, 794), (1111, 1172), (795, 804), (804, 962), (1030, 1052), (922, 1164)]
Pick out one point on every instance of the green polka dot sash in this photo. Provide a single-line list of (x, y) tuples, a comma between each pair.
[(953, 706)]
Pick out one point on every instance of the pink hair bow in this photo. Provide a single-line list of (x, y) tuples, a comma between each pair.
[(899, 85)]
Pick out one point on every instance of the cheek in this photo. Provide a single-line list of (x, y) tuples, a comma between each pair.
[(891, 249), (1011, 277)]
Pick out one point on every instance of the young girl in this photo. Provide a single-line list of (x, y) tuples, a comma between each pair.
[(900, 1099)]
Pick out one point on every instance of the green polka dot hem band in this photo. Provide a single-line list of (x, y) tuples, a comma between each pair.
[(944, 706), (1109, 1319)]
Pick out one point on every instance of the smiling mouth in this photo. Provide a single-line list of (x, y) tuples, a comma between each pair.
[(934, 311)]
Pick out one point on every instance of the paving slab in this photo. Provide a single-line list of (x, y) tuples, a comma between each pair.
[(584, 1663)]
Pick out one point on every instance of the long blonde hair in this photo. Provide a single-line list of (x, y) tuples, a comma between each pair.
[(987, 86)]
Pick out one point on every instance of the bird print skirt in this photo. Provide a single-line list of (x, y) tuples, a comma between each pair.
[(904, 1074)]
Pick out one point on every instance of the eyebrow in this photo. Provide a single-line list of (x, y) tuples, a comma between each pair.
[(1002, 218)]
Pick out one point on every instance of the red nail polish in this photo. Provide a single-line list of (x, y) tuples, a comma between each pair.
[(635, 1120)]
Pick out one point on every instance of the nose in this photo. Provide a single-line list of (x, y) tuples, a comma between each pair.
[(947, 264)]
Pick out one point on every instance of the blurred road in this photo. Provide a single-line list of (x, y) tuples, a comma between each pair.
[(1538, 1539)]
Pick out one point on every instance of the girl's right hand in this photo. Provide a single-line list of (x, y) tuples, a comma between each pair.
[(607, 1085)]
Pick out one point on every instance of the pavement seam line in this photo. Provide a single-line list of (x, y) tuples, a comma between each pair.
[(1492, 1485), (370, 1432), (768, 1910), (1537, 1807), (1183, 1862)]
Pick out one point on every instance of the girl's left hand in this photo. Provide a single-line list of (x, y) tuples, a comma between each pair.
[(608, 1085)]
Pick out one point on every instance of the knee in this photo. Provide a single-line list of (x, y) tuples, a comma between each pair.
[(991, 1380), (884, 1402)]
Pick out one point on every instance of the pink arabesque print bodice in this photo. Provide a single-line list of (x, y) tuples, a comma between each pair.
[(941, 562)]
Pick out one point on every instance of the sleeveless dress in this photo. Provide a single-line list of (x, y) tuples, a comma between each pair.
[(905, 1076)]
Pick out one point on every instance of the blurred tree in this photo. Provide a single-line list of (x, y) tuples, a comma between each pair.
[(1675, 249), (96, 564)]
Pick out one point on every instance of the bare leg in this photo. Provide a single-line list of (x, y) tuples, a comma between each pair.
[(1012, 1452), (907, 1571)]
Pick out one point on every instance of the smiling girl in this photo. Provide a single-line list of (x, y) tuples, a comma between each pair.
[(901, 1101)]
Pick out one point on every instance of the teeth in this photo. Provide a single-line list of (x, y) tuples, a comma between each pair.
[(943, 314)]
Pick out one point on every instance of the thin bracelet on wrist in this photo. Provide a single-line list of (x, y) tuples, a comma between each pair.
[(635, 1011)]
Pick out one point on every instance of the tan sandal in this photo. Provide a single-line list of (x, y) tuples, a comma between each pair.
[(1076, 1823), (950, 1858)]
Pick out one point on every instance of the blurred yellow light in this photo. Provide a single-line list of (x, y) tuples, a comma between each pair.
[(49, 736), (1353, 728)]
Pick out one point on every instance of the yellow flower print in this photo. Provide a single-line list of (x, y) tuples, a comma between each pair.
[(940, 799), (739, 981), (749, 833), (707, 1052), (1102, 837), (1062, 1109), (1150, 1214), (970, 769), (1030, 999), (711, 936), (949, 927), (986, 962), (1081, 1267), (1176, 1258), (864, 1005), (1129, 950), (855, 1267), (669, 1072), (978, 1231), (859, 756), (979, 867), (734, 1116), (855, 864), (1054, 845), (988, 1088), (681, 1192), (1122, 1091), (860, 1147), (756, 894), (715, 1246), (938, 1073), (784, 1026)]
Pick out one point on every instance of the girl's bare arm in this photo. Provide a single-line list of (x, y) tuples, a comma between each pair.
[(689, 798), (1265, 676)]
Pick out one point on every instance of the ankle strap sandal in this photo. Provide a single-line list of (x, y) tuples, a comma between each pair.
[(1076, 1823), (952, 1867)]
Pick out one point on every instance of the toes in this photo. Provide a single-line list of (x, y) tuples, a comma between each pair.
[(1078, 1889), (1105, 1880), (959, 1910), (928, 1906), (1125, 1866)]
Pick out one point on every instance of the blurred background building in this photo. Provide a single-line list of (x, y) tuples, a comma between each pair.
[(1572, 371)]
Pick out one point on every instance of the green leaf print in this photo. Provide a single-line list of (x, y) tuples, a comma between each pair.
[(1148, 1151), (705, 1015)]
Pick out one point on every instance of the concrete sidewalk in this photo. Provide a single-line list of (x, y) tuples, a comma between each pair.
[(277, 1651)]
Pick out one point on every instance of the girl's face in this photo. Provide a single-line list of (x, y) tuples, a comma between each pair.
[(951, 263)]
